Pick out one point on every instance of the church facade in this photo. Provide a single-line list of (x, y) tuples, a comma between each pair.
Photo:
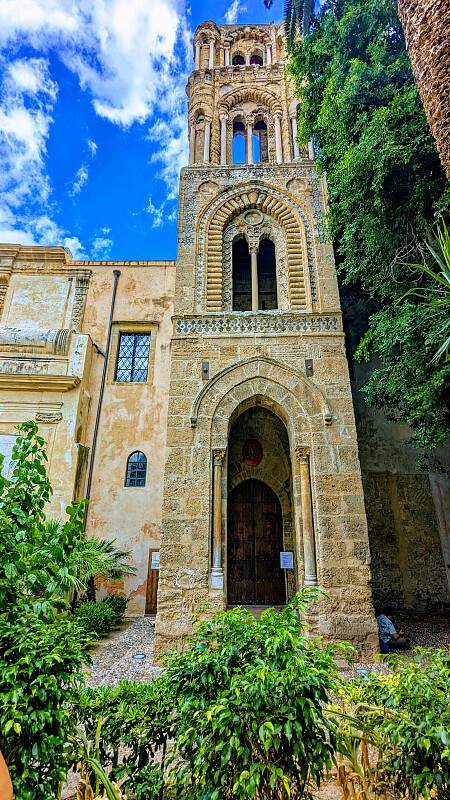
[(205, 405)]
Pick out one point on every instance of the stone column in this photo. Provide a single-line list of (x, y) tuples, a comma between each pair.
[(294, 137), (278, 144), (269, 55), (223, 138), (309, 545), (247, 59), (192, 144), (254, 268), (207, 140), (249, 142), (227, 56), (197, 55), (311, 150), (217, 570), (211, 55)]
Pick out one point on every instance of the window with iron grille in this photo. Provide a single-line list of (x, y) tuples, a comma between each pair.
[(136, 469), (132, 357)]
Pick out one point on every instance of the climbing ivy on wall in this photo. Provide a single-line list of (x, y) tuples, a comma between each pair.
[(361, 106)]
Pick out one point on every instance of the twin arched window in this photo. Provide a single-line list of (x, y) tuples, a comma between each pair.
[(136, 469)]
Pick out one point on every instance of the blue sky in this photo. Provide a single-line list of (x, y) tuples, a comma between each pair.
[(93, 126)]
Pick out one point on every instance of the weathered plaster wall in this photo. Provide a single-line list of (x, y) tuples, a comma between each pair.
[(133, 415)]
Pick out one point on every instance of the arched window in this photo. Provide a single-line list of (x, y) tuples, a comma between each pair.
[(199, 137), (260, 142), (238, 60), (256, 58), (242, 277), (238, 142), (267, 276), (136, 469)]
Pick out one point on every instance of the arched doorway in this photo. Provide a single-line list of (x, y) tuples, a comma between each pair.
[(255, 539)]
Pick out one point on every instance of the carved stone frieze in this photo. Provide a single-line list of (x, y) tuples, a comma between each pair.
[(248, 323)]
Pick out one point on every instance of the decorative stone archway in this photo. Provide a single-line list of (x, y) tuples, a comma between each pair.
[(286, 211)]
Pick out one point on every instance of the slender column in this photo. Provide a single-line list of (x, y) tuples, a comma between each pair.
[(211, 55), (311, 150), (309, 545), (227, 56), (294, 137), (223, 138), (217, 570), (192, 144), (278, 145), (249, 142), (206, 144), (247, 59), (197, 55), (254, 272), (268, 55)]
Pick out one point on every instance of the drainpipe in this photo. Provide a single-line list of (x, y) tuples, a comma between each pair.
[(116, 273)]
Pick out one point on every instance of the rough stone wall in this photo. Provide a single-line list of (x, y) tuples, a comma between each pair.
[(427, 30)]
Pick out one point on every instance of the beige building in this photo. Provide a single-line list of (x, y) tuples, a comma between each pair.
[(205, 407)]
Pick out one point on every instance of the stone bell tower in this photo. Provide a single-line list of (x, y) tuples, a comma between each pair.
[(262, 456)]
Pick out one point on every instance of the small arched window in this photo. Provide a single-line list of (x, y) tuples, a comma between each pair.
[(238, 60), (256, 58), (136, 469), (239, 147)]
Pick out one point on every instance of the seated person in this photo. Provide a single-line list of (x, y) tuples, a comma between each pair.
[(391, 640)]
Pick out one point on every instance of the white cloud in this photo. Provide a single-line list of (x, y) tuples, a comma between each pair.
[(81, 178), (231, 16), (101, 246), (76, 248), (156, 213), (133, 56)]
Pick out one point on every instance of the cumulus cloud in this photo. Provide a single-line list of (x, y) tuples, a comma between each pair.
[(81, 178), (130, 55), (101, 246), (231, 16)]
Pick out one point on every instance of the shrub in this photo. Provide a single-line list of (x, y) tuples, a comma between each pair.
[(42, 649), (41, 663), (101, 616), (250, 717), (134, 720), (406, 715)]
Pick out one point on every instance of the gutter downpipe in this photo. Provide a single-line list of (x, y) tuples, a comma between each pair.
[(116, 273)]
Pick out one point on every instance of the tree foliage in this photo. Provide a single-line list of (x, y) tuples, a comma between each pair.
[(361, 106)]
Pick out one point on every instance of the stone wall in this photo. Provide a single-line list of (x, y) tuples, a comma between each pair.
[(427, 30)]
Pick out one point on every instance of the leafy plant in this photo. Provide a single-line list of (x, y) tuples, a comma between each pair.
[(436, 296), (360, 104), (406, 716), (42, 649), (101, 616), (250, 718)]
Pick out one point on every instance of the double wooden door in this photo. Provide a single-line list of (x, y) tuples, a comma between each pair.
[(255, 539)]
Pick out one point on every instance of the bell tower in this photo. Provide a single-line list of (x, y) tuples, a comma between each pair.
[(262, 456)]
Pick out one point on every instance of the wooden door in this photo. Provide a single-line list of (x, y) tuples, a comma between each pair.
[(152, 583), (255, 539)]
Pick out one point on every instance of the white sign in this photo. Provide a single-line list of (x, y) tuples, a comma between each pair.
[(155, 559), (287, 559)]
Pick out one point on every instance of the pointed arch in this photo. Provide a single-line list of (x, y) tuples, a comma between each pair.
[(253, 94)]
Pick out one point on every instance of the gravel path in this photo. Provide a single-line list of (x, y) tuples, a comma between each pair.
[(127, 654)]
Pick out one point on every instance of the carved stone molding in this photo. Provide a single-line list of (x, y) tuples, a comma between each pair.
[(265, 323), (79, 302), (48, 416), (28, 340), (302, 454)]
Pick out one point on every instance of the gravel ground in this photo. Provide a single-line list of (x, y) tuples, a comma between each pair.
[(114, 658)]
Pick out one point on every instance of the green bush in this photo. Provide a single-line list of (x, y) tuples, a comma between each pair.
[(250, 718), (42, 649), (101, 616), (135, 725), (406, 716)]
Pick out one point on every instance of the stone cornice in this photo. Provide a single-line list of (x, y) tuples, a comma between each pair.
[(34, 383)]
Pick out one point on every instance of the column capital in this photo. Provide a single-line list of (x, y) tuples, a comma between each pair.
[(218, 456), (249, 119), (223, 115), (277, 115), (302, 454)]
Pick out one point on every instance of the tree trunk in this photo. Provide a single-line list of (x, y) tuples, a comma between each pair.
[(427, 31)]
